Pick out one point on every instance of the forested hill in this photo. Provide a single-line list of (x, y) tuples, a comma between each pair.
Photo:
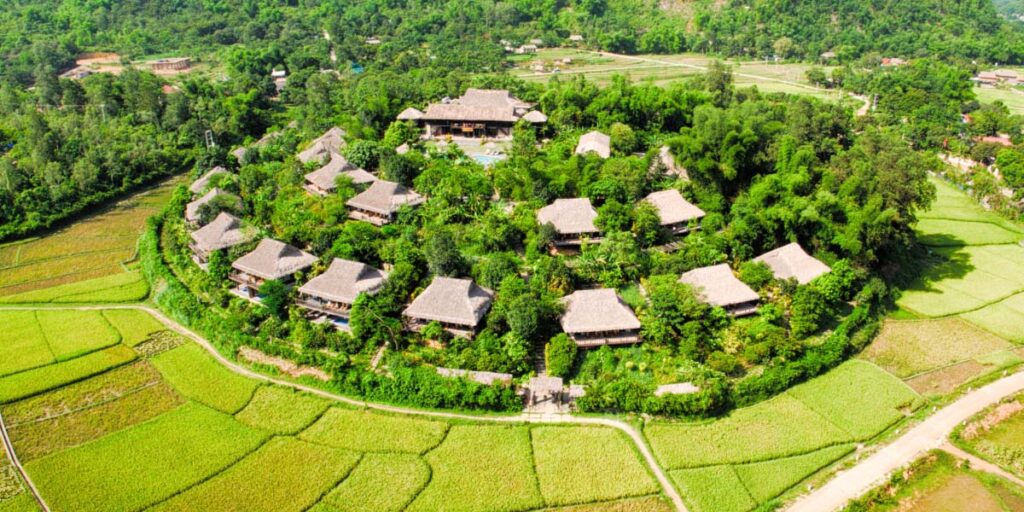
[(466, 34)]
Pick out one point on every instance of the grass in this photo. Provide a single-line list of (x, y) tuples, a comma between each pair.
[(971, 278), (713, 489), (281, 410), (135, 326), (380, 483), (481, 468), (373, 432), (290, 475), (767, 480), (22, 502), (859, 398), (95, 246), (10, 482), (22, 345), (907, 348), (123, 287), (145, 464), (647, 504), (1005, 318), (197, 376), (948, 232), (1013, 100), (586, 464), (38, 380), (72, 333)]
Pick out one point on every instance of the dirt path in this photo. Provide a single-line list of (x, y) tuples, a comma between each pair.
[(930, 434), (9, 448), (638, 440), (980, 464)]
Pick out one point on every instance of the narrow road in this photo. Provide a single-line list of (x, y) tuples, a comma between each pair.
[(9, 448), (930, 434), (980, 464), (638, 440)]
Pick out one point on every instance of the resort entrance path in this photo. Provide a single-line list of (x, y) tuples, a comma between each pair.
[(638, 440), (930, 434)]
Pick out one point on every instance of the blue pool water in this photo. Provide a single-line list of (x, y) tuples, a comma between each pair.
[(487, 160)]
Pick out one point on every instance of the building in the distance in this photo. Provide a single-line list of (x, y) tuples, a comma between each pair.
[(599, 317), (223, 232), (573, 220), (379, 203), (791, 262), (194, 209), (335, 291), (595, 142), (171, 64), (324, 181), (201, 185), (480, 113), (718, 286), (271, 260), (458, 305), (324, 147)]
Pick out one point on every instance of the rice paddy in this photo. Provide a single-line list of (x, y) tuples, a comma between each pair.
[(197, 376), (372, 432), (910, 347), (281, 410)]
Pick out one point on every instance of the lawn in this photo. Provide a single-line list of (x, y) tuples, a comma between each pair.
[(281, 410), (198, 376), (121, 287), (135, 326), (380, 483), (374, 432), (144, 464), (909, 347), (1014, 100), (481, 468), (38, 380), (96, 246), (587, 464), (284, 475)]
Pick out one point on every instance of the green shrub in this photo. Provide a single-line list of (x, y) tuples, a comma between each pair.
[(559, 355)]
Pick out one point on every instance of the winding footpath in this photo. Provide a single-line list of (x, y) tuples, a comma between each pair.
[(638, 440)]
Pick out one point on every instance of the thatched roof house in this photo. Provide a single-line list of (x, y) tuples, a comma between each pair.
[(323, 147), (675, 211), (200, 185), (336, 290), (595, 142), (571, 218), (194, 208), (791, 261), (535, 117), (324, 180), (379, 203), (270, 260), (478, 113), (410, 114), (599, 317), (457, 304), (668, 161), (221, 233), (718, 286)]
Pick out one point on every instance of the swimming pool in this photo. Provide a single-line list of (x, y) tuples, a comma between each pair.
[(487, 160)]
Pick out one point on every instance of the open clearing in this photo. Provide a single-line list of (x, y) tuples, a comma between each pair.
[(1013, 99), (770, 447), (92, 247)]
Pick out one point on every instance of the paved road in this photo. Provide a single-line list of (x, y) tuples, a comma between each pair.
[(638, 440), (929, 434)]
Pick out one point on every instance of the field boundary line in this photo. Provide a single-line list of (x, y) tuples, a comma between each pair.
[(666, 484), (91, 406), (9, 448)]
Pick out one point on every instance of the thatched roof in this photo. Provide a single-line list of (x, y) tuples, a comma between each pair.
[(274, 260), (718, 286), (200, 185), (328, 144), (450, 300), (569, 216), (344, 280), (385, 198), (665, 158), (535, 117), (597, 310), (478, 105), (791, 261), (326, 177), (410, 114), (595, 142), (485, 378), (222, 232), (192, 209), (673, 208)]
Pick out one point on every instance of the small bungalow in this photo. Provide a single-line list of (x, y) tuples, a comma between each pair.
[(335, 291), (595, 142), (573, 220), (194, 209), (270, 260), (324, 181), (479, 113), (792, 262), (221, 233), (599, 317), (718, 286), (379, 203), (668, 162), (457, 304), (199, 186), (576, 38), (324, 147), (675, 212)]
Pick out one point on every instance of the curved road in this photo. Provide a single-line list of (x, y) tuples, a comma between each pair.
[(638, 440)]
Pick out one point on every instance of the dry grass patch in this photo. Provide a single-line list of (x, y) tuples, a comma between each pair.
[(282, 410), (380, 483), (367, 431), (481, 468), (946, 380), (909, 347), (122, 287)]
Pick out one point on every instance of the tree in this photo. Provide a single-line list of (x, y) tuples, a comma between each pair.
[(400, 132), (443, 256), (274, 297), (810, 310), (559, 355), (623, 139), (784, 47), (613, 216), (756, 274), (647, 224), (364, 154)]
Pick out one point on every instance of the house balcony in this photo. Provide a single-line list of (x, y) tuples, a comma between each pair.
[(372, 218), (316, 191), (324, 307), (597, 339), (461, 331)]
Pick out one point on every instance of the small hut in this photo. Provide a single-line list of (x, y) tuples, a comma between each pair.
[(335, 291), (792, 262), (271, 260), (573, 220), (221, 233), (675, 212), (459, 305), (599, 317), (718, 286), (379, 203), (595, 142)]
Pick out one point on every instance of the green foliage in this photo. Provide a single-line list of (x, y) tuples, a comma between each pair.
[(365, 154), (197, 376), (676, 317), (368, 431), (559, 355), (810, 311), (443, 256), (144, 462), (274, 296), (756, 274)]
